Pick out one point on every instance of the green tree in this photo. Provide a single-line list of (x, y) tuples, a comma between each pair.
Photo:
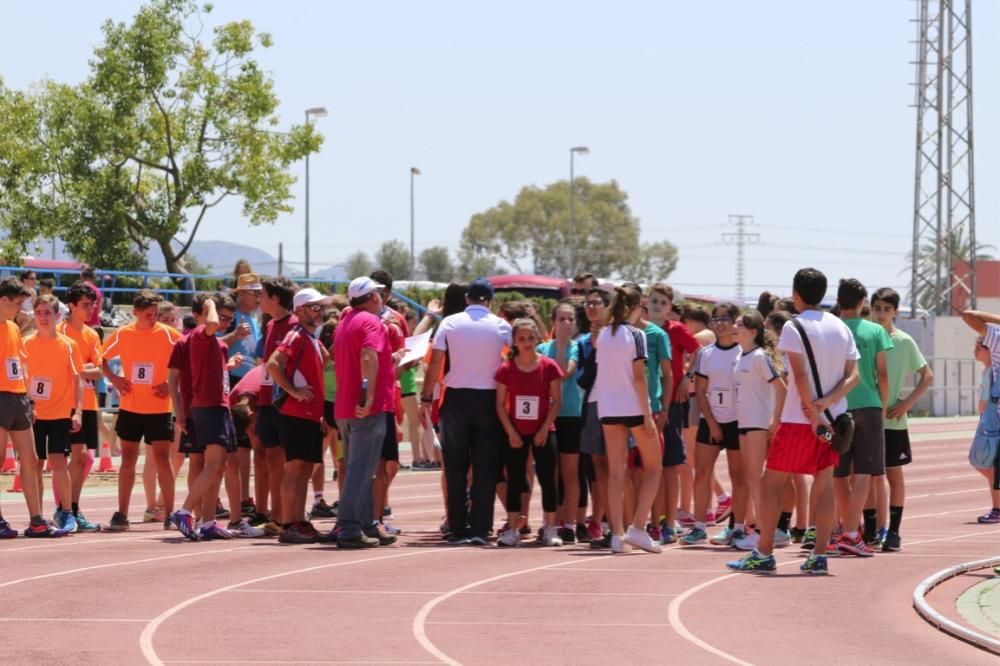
[(475, 263), (357, 265), (166, 126), (436, 264), (656, 262), (394, 256), (534, 234)]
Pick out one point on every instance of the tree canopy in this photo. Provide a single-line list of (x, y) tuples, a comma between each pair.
[(166, 126), (394, 256)]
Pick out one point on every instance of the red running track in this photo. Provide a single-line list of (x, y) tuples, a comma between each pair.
[(149, 597)]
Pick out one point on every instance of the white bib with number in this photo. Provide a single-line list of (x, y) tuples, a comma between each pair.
[(265, 379), (225, 383), (40, 388), (142, 373), (721, 397), (526, 407), (13, 367)]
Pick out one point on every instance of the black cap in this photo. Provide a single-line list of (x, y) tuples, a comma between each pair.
[(480, 289)]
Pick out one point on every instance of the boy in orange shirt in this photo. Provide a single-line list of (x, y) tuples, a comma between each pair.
[(54, 385)]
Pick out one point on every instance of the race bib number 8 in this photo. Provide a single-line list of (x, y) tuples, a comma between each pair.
[(526, 407), (13, 367), (721, 397), (142, 373), (40, 388)]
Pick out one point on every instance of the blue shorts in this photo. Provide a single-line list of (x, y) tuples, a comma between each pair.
[(214, 425)]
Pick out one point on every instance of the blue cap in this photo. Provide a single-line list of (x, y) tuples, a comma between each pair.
[(480, 289)]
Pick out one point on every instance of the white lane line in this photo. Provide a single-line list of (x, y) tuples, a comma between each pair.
[(495, 593), (71, 619), (297, 661), (149, 631), (952, 492), (660, 625)]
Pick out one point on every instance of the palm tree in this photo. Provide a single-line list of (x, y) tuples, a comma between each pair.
[(960, 251)]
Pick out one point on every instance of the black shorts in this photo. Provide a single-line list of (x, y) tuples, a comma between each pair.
[(627, 421), (568, 430), (51, 437), (328, 414), (730, 435), (189, 440), (267, 426), (867, 452), (15, 411), (673, 445), (390, 445), (214, 425), (302, 439), (87, 434), (133, 427), (897, 448), (744, 431)]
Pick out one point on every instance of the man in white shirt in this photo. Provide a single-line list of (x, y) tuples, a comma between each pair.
[(797, 448), (470, 429)]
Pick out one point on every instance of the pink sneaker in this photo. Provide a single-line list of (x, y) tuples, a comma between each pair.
[(710, 517), (685, 518), (723, 510), (594, 530)]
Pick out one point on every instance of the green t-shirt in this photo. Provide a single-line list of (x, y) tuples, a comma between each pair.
[(657, 350), (330, 382), (572, 395), (903, 358), (870, 339)]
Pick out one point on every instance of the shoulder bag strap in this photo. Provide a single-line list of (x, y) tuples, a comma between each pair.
[(812, 363)]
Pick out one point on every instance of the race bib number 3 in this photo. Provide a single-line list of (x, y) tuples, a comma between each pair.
[(142, 373), (12, 366), (720, 397), (40, 388), (526, 407)]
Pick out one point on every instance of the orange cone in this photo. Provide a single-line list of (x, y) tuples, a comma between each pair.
[(16, 488), (106, 465), (9, 462)]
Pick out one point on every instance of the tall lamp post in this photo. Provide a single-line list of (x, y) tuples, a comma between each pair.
[(583, 150), (315, 112), (414, 171)]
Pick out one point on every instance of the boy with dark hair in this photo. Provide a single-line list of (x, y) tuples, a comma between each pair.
[(903, 358)]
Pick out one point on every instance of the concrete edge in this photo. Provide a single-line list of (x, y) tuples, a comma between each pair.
[(926, 611)]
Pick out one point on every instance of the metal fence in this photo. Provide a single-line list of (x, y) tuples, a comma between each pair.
[(955, 391)]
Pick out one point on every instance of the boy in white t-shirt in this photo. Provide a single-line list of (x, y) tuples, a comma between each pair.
[(796, 448)]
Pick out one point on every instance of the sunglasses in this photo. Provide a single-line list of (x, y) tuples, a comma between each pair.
[(594, 304), (316, 307), (225, 318), (578, 292), (722, 320)]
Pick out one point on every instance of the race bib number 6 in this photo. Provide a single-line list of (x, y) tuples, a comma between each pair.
[(13, 367), (40, 388), (142, 373), (526, 407)]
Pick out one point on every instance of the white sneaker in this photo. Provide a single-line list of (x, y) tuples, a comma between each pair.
[(782, 537), (641, 539), (511, 538), (618, 544), (748, 542), (244, 529), (550, 536)]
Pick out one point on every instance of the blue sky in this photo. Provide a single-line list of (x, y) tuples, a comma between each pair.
[(796, 112)]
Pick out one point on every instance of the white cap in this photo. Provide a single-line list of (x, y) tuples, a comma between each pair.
[(362, 286), (308, 296)]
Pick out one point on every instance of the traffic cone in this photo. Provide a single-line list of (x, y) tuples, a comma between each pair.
[(106, 465), (48, 465), (9, 462), (16, 487)]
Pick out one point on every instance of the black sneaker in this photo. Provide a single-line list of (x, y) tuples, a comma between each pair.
[(581, 533), (892, 542), (387, 512), (478, 541), (798, 534), (248, 508), (524, 530), (298, 533), (603, 542), (360, 541), (321, 509), (456, 540), (383, 539), (221, 512), (567, 534), (118, 523)]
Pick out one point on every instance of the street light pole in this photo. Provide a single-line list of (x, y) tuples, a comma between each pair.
[(315, 112), (583, 150), (414, 171)]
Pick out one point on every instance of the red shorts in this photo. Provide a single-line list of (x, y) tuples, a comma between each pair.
[(796, 449), (635, 460)]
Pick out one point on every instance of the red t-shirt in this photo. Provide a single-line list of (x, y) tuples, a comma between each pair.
[(275, 332), (358, 330), (95, 316), (209, 379), (249, 384), (528, 393), (180, 361), (681, 341), (305, 368)]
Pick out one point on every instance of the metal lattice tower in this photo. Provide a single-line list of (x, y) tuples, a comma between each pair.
[(741, 238), (944, 204)]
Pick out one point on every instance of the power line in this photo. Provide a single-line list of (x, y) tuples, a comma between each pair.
[(741, 238)]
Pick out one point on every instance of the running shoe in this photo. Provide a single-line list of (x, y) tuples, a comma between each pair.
[(153, 515), (84, 525), (118, 523), (809, 539), (65, 520), (321, 509), (214, 530), (815, 565), (798, 534), (567, 534), (619, 545), (882, 533), (168, 525), (710, 517), (667, 534), (245, 530), (185, 525), (725, 537), (44, 529), (601, 544), (641, 539), (892, 543), (594, 530), (525, 529), (221, 512), (455, 540), (550, 536), (723, 509), (6, 531), (582, 533), (298, 533), (754, 562), (389, 529), (693, 536), (990, 518), (248, 508), (355, 542), (855, 546), (373, 532), (509, 539), (654, 533), (270, 528), (685, 518), (748, 543), (782, 538), (832, 548), (387, 512), (478, 541)]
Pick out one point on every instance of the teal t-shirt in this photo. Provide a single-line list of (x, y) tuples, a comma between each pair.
[(572, 396), (870, 339), (330, 382), (657, 350), (903, 358)]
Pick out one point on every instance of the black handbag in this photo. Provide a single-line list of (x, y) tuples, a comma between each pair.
[(841, 434)]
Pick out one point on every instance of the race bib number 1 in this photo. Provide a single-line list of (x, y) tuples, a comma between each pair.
[(142, 373), (13, 367), (526, 407), (721, 397), (40, 388)]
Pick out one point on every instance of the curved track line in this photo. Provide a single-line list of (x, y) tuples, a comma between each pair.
[(149, 631)]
